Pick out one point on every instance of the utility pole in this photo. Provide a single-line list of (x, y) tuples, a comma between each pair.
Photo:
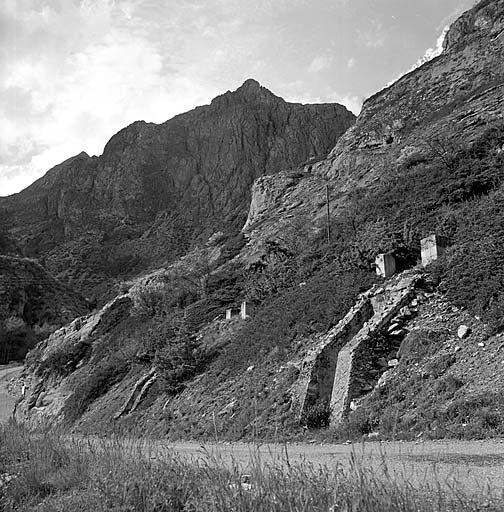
[(328, 217)]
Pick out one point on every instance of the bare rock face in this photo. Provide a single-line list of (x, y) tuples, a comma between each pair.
[(456, 96), (54, 367), (157, 188), (485, 20), (268, 191), (32, 305)]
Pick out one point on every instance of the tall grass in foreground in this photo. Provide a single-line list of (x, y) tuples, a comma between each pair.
[(46, 472)]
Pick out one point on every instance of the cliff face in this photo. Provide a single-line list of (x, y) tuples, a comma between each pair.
[(442, 106), (32, 305), (456, 94), (156, 188)]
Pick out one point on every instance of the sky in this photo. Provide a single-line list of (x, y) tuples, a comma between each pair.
[(74, 72)]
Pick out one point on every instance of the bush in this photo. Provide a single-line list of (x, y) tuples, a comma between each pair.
[(478, 416), (149, 300), (178, 360), (472, 271), (317, 415)]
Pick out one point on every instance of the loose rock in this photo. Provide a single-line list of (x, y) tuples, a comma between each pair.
[(463, 331)]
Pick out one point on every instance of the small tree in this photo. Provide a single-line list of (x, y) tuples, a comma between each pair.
[(445, 149), (179, 359)]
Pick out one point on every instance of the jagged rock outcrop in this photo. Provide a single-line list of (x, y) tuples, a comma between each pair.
[(57, 370), (156, 188), (33, 304)]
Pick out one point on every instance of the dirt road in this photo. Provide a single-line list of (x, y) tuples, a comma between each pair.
[(7, 401), (478, 465)]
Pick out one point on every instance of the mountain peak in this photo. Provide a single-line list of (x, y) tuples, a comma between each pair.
[(253, 89), (250, 90), (250, 85)]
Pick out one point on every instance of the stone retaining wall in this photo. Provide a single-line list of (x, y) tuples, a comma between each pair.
[(346, 386), (329, 374)]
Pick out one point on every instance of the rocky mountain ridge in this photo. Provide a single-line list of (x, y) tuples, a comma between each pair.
[(159, 188)]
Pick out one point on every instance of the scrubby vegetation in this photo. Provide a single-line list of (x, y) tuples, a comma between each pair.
[(301, 286), (453, 191), (425, 398), (296, 312), (46, 472)]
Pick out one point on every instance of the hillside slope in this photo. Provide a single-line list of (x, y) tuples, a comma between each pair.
[(159, 188), (425, 155), (32, 305), (429, 115)]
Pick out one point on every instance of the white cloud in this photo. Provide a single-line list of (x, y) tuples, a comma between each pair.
[(351, 102), (320, 63), (351, 62), (430, 53), (296, 92), (373, 36), (94, 71)]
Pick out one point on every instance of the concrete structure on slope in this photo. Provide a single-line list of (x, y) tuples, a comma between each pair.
[(385, 265), (232, 313), (347, 362), (432, 248), (246, 311)]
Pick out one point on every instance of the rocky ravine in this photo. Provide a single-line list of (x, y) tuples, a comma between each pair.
[(158, 188)]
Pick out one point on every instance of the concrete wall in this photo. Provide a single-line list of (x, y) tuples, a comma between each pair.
[(346, 377), (317, 373), (246, 310), (385, 265), (432, 248), (232, 313)]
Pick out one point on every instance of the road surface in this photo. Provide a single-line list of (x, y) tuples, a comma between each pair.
[(474, 466), (7, 401)]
